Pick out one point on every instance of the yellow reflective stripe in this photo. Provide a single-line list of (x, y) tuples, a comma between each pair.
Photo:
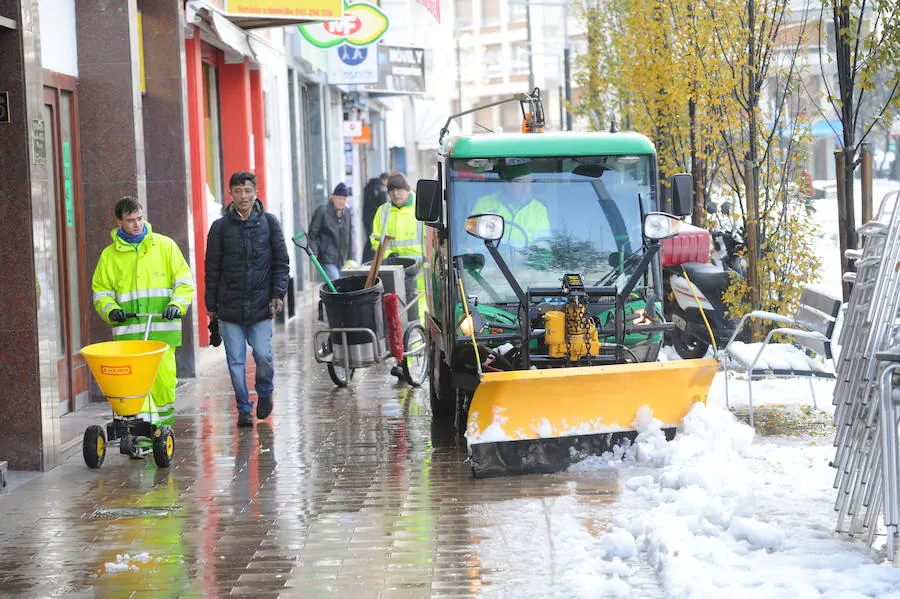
[(405, 243), (179, 282), (142, 294), (130, 329), (99, 295)]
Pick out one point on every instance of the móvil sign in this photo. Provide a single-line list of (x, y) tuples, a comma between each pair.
[(285, 9), (362, 24)]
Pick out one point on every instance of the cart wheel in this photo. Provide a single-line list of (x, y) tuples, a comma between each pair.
[(340, 376), (163, 447), (415, 368), (94, 446)]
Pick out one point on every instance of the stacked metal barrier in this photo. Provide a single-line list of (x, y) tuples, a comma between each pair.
[(864, 476)]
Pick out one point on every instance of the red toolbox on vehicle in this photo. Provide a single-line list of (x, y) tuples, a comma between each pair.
[(690, 245)]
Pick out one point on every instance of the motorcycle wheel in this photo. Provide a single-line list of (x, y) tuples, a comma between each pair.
[(689, 348)]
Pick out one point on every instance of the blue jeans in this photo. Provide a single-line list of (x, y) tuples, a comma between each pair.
[(259, 336), (332, 271)]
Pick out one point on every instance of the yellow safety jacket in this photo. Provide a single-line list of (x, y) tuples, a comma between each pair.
[(532, 218), (401, 224), (143, 278)]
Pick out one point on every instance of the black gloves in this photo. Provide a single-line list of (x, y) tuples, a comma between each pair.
[(172, 312), (117, 315), (215, 338)]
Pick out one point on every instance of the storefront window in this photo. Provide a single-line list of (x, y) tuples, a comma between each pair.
[(213, 136)]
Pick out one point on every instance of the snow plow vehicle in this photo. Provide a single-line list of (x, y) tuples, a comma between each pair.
[(543, 282)]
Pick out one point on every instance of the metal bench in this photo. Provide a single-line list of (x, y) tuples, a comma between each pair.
[(811, 327)]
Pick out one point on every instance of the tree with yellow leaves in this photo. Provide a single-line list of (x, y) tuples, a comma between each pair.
[(713, 83)]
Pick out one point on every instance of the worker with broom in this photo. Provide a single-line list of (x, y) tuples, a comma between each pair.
[(397, 219)]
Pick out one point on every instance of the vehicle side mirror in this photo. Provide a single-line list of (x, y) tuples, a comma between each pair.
[(682, 194), (428, 200)]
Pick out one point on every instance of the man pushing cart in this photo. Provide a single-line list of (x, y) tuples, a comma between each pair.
[(144, 273)]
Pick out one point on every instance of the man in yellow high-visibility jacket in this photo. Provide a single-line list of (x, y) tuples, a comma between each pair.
[(525, 217), (397, 218), (143, 272)]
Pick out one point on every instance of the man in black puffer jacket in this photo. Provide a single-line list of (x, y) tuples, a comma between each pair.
[(246, 279)]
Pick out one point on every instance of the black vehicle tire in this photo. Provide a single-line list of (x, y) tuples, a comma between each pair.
[(127, 444), (340, 376), (164, 447), (415, 368), (443, 400), (94, 446), (686, 346)]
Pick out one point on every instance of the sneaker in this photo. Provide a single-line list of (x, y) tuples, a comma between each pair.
[(245, 419), (263, 407)]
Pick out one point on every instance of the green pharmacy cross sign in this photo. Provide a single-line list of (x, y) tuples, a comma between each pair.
[(362, 24)]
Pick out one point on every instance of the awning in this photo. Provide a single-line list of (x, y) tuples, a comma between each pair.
[(819, 128), (224, 34), (262, 22), (827, 128)]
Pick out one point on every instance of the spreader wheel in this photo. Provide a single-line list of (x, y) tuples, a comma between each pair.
[(163, 446), (94, 446)]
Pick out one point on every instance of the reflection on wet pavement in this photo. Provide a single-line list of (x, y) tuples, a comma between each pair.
[(342, 492)]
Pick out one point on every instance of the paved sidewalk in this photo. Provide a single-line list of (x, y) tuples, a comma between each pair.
[(340, 493)]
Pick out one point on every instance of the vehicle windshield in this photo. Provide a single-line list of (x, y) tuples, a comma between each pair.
[(562, 215)]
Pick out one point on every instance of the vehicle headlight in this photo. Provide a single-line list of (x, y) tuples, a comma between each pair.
[(485, 226), (659, 225)]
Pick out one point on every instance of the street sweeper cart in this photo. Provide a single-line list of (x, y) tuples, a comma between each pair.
[(367, 326)]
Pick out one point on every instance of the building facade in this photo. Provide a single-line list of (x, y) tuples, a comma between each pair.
[(160, 100)]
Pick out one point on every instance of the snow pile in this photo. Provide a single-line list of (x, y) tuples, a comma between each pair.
[(689, 509), (126, 562)]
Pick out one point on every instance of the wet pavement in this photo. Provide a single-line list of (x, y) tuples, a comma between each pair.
[(340, 493)]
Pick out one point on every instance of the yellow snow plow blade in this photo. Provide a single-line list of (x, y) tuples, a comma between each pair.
[(574, 411)]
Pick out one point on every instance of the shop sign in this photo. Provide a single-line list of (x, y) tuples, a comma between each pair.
[(285, 9), (352, 128), (362, 24), (349, 65), (38, 142), (400, 69), (365, 136)]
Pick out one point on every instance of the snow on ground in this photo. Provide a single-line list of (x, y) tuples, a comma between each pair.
[(717, 512)]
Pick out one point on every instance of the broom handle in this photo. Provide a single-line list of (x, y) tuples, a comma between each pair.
[(376, 263), (322, 273)]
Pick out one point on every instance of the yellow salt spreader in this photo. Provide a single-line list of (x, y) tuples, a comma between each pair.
[(125, 372), (544, 285)]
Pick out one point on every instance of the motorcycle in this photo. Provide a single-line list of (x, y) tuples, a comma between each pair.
[(694, 289)]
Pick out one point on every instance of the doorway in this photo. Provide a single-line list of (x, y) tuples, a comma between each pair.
[(59, 128)]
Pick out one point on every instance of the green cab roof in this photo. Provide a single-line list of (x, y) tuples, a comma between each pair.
[(565, 143)]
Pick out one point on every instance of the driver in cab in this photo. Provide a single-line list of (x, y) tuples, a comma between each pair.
[(524, 215)]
